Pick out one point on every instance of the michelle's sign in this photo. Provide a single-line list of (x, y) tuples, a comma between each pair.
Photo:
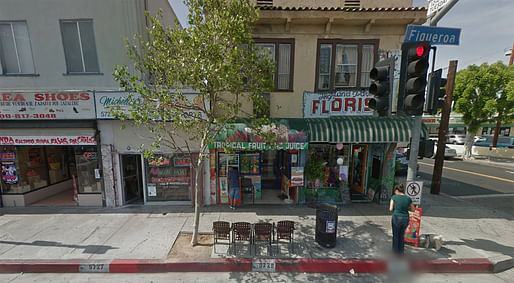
[(339, 103), (52, 105)]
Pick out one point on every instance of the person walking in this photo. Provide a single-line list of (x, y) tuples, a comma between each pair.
[(400, 205), (233, 187)]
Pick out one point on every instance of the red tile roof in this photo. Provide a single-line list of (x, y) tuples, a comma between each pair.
[(346, 9)]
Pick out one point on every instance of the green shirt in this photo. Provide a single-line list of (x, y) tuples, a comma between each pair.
[(401, 205)]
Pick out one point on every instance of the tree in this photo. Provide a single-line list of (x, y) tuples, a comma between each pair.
[(481, 97), (215, 57)]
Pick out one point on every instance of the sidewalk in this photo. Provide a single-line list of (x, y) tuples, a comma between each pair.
[(144, 235)]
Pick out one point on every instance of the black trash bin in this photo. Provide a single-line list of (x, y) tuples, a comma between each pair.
[(326, 225)]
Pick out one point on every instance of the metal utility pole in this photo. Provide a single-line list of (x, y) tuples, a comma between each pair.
[(498, 122), (443, 129), (416, 124)]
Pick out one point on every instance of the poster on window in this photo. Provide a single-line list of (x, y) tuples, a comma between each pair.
[(52, 105), (339, 103), (297, 176), (9, 175)]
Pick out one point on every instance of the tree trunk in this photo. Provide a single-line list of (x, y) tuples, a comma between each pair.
[(497, 129), (467, 146), (198, 190)]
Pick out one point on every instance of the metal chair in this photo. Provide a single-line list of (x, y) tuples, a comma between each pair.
[(285, 230), (242, 231), (262, 232), (221, 230)]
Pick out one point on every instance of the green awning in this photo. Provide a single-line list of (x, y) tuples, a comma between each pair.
[(361, 129)]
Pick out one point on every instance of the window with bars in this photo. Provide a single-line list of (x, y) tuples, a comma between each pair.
[(15, 49), (79, 46), (282, 52), (345, 64)]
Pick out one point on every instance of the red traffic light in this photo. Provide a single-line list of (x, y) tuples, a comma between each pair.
[(420, 50)]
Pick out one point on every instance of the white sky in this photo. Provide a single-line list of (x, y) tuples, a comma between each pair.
[(487, 30)]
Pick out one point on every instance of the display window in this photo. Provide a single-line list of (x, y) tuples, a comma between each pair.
[(86, 163), (28, 168), (169, 178)]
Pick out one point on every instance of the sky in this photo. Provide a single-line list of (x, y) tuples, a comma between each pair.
[(487, 30)]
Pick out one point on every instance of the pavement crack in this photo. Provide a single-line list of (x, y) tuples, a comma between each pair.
[(138, 244)]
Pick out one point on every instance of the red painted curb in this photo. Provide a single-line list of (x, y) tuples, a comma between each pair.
[(463, 265), (40, 266), (473, 265), (211, 265)]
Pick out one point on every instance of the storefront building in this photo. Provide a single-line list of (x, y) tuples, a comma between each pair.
[(268, 172), (166, 178), (49, 150)]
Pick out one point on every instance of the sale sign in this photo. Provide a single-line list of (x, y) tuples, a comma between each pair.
[(69, 105), (339, 103)]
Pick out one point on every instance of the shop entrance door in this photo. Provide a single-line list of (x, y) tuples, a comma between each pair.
[(358, 167), (132, 180)]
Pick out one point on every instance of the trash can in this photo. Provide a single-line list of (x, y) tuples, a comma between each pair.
[(326, 225)]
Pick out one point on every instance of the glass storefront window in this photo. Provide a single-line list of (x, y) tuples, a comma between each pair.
[(57, 157), (86, 159), (169, 178), (23, 169)]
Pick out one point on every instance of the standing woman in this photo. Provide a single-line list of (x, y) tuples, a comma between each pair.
[(400, 206)]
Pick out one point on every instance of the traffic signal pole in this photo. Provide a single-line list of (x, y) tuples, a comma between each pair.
[(416, 123)]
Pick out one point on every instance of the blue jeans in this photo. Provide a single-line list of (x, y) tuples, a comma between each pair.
[(399, 224)]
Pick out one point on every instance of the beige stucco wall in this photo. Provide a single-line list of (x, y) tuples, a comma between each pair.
[(306, 27)]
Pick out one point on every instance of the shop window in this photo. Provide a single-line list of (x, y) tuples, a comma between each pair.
[(169, 178), (375, 172), (23, 169), (86, 162), (281, 51), (79, 46), (15, 49), (57, 163), (345, 64)]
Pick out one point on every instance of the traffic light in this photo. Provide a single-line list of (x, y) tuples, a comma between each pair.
[(436, 92), (381, 86), (413, 77)]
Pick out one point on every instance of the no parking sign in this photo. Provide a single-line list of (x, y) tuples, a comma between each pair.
[(413, 190)]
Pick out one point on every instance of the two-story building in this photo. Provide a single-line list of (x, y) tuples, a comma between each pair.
[(56, 60), (324, 51)]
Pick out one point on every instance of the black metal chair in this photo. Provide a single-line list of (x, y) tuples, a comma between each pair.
[(248, 188), (285, 230), (242, 231), (263, 232), (221, 230)]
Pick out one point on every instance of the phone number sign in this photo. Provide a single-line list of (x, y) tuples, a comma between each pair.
[(69, 105)]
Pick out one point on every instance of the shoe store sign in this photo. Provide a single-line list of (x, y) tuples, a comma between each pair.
[(52, 105), (339, 103)]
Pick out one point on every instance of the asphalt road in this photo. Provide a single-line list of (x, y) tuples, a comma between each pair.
[(489, 186), (467, 179), (210, 277)]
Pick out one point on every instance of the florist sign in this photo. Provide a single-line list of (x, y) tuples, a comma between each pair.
[(339, 103)]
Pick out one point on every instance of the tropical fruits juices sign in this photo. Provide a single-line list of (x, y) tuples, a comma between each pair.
[(53, 105)]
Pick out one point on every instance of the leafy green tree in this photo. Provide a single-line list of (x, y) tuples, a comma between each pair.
[(216, 58), (480, 95)]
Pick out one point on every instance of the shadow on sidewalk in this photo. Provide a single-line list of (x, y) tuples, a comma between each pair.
[(88, 249), (484, 244)]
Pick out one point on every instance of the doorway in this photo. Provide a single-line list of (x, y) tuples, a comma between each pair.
[(358, 168), (132, 181), (273, 166)]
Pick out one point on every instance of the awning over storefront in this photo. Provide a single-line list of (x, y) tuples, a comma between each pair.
[(40, 136), (239, 136), (361, 129)]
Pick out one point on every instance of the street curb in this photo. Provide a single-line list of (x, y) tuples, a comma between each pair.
[(325, 265)]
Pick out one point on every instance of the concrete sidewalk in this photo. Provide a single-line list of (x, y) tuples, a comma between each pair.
[(148, 232)]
